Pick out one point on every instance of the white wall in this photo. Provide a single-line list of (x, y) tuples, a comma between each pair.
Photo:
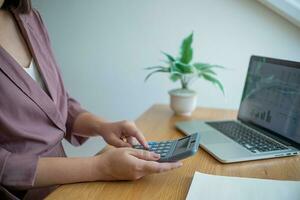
[(103, 46)]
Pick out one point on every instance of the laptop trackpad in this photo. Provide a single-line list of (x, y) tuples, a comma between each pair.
[(213, 137)]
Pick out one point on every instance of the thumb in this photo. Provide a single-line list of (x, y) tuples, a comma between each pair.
[(144, 155)]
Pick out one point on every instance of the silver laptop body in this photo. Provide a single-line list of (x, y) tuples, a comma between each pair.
[(269, 110)]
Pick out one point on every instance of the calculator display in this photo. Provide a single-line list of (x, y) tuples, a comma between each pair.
[(181, 145)]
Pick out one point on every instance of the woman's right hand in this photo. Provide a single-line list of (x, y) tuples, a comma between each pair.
[(128, 164)]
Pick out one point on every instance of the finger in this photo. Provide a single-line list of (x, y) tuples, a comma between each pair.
[(131, 140), (132, 130), (156, 167), (126, 140), (144, 155), (142, 140), (119, 143)]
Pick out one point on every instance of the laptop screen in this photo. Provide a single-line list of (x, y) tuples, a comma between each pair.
[(271, 97)]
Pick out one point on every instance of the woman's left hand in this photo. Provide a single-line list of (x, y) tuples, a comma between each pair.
[(121, 134)]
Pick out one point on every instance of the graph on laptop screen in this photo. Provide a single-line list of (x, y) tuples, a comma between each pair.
[(271, 97)]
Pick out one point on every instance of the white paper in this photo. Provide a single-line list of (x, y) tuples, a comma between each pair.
[(212, 187)]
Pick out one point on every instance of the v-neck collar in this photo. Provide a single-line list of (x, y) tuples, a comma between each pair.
[(21, 19), (22, 80), (24, 69)]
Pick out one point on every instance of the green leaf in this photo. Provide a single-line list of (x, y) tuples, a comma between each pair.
[(183, 68), (157, 67), (209, 71), (213, 80), (186, 52), (170, 58), (175, 77), (204, 66), (156, 71), (173, 69)]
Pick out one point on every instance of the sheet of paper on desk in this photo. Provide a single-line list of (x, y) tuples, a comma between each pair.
[(212, 187)]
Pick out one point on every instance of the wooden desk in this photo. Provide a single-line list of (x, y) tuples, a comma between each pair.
[(158, 124)]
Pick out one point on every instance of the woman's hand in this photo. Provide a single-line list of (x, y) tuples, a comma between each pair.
[(118, 134), (121, 134), (128, 164), (113, 164)]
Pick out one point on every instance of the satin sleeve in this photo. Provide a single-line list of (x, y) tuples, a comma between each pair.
[(17, 170), (74, 110)]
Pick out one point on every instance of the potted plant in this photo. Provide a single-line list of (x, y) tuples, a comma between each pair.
[(183, 100)]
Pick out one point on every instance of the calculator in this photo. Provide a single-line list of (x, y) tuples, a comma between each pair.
[(174, 150)]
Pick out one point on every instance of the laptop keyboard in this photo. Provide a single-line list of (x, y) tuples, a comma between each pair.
[(246, 137)]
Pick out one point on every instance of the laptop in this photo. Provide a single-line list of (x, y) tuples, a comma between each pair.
[(268, 122)]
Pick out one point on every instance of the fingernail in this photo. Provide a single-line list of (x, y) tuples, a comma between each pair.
[(156, 155)]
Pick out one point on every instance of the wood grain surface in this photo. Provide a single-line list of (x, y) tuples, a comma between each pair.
[(158, 123)]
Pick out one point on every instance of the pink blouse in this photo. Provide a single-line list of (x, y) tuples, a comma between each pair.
[(32, 122)]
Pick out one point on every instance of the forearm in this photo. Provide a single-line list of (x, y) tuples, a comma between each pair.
[(119, 134), (86, 124), (56, 170), (104, 167)]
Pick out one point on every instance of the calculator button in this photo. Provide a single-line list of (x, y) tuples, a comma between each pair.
[(152, 143), (163, 154), (165, 151)]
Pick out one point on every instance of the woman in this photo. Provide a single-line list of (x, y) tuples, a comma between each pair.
[(36, 113)]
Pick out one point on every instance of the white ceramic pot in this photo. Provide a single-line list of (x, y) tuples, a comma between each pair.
[(183, 101)]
